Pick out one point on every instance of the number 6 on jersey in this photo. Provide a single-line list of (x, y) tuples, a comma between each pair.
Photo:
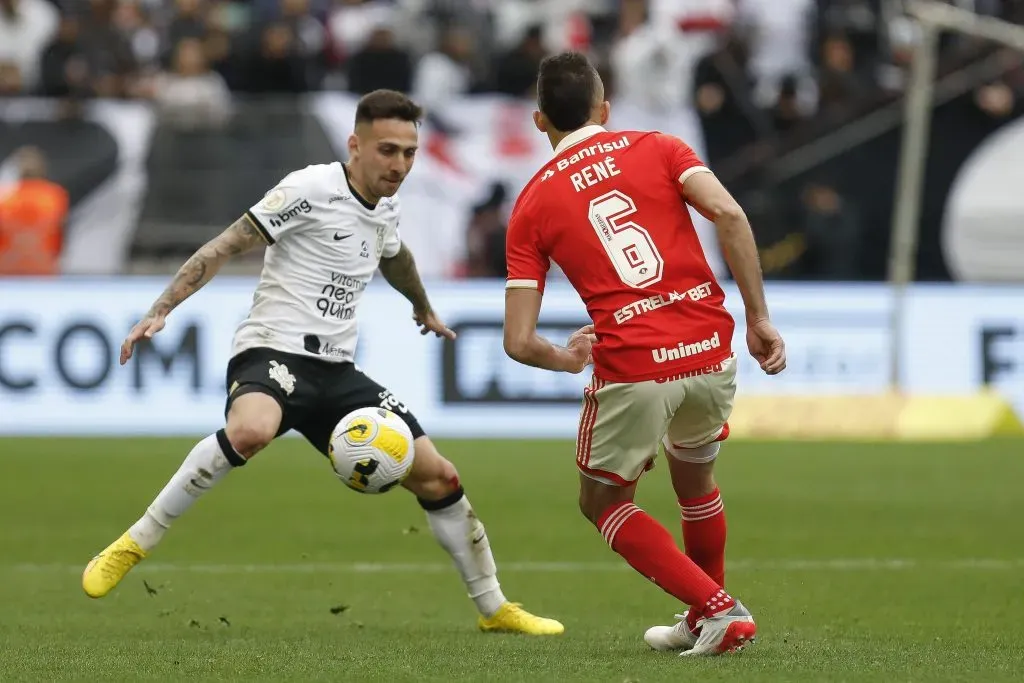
[(628, 245)]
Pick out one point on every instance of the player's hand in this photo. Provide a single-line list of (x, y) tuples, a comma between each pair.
[(144, 329), (580, 346), (429, 322), (766, 346)]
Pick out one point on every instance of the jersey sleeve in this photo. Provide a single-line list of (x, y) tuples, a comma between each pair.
[(683, 162), (525, 258), (288, 207)]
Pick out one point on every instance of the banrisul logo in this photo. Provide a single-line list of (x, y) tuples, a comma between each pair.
[(302, 206)]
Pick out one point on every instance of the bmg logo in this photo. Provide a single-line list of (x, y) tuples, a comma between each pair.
[(303, 206)]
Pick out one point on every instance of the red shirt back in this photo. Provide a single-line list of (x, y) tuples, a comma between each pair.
[(608, 210)]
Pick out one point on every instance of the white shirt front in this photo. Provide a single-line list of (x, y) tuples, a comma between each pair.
[(325, 243)]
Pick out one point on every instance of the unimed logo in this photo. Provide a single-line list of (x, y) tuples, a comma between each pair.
[(475, 368)]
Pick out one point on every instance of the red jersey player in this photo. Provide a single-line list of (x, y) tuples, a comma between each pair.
[(610, 210)]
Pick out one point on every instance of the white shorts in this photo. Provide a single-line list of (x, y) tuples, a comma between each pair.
[(622, 424)]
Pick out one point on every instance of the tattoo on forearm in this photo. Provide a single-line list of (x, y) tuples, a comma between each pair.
[(205, 263), (400, 272)]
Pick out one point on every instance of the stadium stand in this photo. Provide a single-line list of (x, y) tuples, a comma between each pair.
[(798, 103)]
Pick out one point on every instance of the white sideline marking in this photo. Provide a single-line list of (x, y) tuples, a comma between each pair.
[(792, 565)]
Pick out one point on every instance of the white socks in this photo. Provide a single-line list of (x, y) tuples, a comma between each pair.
[(205, 465), (451, 519), (458, 530)]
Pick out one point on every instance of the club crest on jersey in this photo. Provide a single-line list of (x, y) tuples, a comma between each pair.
[(280, 374), (274, 200), (380, 241)]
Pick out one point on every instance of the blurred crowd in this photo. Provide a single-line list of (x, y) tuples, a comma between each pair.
[(793, 57), (752, 70)]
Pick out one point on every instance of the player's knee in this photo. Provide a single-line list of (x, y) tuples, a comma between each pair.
[(253, 422), (596, 497), (693, 470), (449, 475), (444, 482), (583, 506), (692, 480), (432, 477), (250, 436)]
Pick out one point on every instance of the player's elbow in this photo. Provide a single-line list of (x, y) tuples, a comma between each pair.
[(516, 345), (728, 213)]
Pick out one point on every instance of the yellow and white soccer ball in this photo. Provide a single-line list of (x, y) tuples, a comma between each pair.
[(371, 450)]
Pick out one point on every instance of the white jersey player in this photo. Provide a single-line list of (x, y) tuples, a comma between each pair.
[(310, 288), (328, 228)]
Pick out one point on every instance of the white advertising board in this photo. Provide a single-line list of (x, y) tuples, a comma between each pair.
[(59, 342), (962, 338)]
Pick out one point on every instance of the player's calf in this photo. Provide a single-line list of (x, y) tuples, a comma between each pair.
[(648, 547), (205, 465), (435, 483), (252, 423), (701, 507)]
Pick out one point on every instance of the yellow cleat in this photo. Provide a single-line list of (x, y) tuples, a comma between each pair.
[(512, 618), (107, 569)]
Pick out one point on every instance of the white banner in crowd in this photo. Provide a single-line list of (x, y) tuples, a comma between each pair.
[(468, 147), (101, 224), (59, 342)]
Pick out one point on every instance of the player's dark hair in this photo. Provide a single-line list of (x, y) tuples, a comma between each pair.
[(567, 86), (387, 104)]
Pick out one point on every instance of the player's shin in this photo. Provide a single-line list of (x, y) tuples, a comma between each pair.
[(205, 465), (461, 533)]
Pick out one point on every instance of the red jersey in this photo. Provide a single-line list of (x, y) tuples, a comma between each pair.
[(608, 210)]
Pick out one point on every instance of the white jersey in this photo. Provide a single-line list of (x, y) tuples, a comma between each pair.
[(325, 243)]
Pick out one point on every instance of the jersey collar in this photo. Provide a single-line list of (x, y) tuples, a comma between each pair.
[(355, 193), (578, 136)]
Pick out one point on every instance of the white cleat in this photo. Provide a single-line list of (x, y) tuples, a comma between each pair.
[(668, 638), (728, 632)]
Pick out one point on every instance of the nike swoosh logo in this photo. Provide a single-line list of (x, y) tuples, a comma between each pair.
[(338, 236)]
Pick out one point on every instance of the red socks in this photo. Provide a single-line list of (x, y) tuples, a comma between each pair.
[(650, 549), (704, 533)]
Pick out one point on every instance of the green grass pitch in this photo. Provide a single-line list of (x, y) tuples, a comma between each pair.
[(860, 562)]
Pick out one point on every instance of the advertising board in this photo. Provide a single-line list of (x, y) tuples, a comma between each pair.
[(59, 342)]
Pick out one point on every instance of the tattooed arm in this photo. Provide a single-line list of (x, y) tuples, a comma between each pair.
[(197, 271), (400, 272), (204, 264)]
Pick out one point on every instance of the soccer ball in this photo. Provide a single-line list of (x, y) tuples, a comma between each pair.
[(371, 450)]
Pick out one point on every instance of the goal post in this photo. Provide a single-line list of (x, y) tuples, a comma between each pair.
[(933, 18)]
